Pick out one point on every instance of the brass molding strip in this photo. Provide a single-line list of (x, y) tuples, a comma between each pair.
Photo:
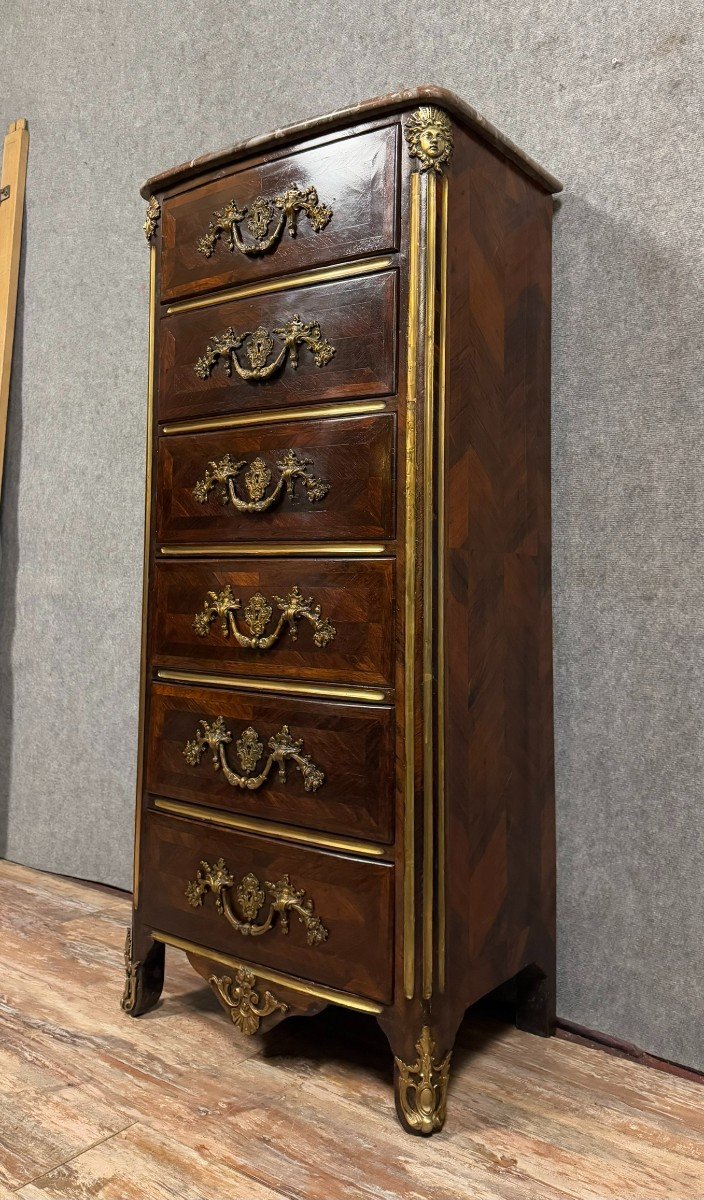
[(240, 420), (272, 549), (440, 612), (290, 833), (410, 584), (296, 985), (428, 462), (145, 567), (287, 284), (246, 683)]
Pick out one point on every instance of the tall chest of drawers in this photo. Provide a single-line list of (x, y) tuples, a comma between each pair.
[(345, 786)]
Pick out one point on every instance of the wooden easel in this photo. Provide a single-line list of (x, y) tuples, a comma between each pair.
[(12, 183)]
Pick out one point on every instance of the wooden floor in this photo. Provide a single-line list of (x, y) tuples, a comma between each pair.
[(178, 1104)]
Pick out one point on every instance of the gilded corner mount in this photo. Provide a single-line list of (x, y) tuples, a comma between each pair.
[(421, 1089), (152, 218), (430, 140), (129, 995)]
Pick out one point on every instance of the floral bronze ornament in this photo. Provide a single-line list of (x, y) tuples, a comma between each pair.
[(422, 1087), (429, 137), (282, 749), (152, 218), (258, 347), (283, 210), (251, 896), (243, 1002), (257, 613), (257, 478)]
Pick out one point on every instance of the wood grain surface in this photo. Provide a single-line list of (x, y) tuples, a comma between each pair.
[(178, 1104), (351, 896), (351, 743), (354, 457), (357, 317), (499, 735), (356, 597), (359, 184)]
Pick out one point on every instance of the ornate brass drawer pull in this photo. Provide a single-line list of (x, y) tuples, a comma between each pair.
[(282, 748), (250, 897), (243, 1003), (258, 347), (257, 613), (257, 479), (258, 218)]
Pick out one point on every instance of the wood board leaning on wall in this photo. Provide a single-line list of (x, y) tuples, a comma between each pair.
[(12, 187)]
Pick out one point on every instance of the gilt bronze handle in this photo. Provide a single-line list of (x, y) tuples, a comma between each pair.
[(250, 897), (282, 749), (282, 210), (257, 614), (258, 347), (257, 479)]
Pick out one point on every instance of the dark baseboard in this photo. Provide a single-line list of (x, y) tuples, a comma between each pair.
[(568, 1031)]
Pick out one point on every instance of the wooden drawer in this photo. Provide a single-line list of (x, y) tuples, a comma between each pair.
[(351, 744), (298, 479), (355, 317), (351, 899), (324, 620), (355, 180)]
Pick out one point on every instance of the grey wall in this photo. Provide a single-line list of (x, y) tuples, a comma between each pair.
[(608, 96)]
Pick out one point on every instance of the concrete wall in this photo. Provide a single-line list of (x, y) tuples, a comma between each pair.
[(608, 96)]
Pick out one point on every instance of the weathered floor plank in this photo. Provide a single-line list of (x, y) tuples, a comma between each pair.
[(98, 1106), (144, 1162)]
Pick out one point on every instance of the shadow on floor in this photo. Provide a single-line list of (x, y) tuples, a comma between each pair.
[(353, 1039)]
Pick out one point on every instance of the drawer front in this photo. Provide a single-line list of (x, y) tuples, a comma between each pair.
[(298, 479), (353, 215), (330, 621), (257, 354), (346, 939), (350, 745)]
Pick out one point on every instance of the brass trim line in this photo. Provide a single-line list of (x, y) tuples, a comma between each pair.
[(272, 550), (145, 568), (410, 585), (276, 415), (303, 279), (291, 833), (428, 606), (296, 985), (440, 608), (246, 683)]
